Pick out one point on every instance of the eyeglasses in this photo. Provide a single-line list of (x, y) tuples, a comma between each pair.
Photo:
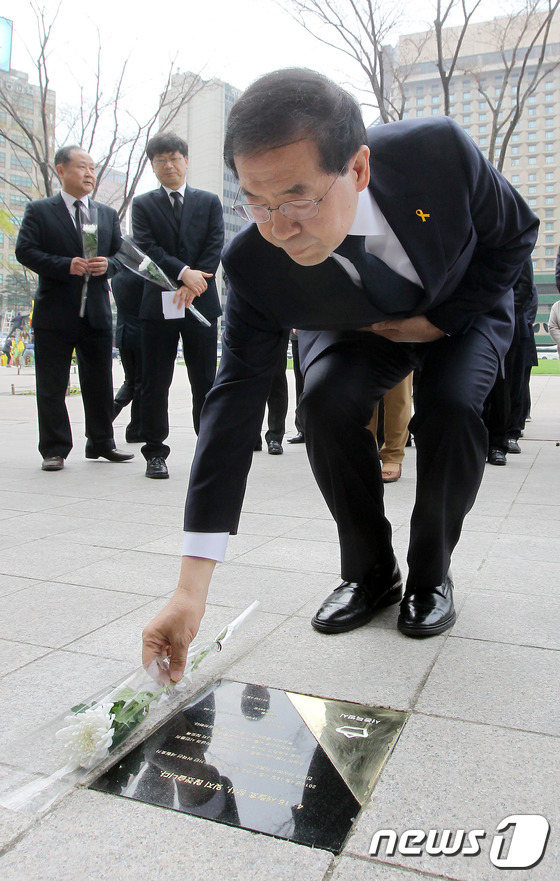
[(297, 209), (161, 163)]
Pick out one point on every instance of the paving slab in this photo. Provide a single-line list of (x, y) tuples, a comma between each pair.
[(445, 774), (513, 618), (98, 837)]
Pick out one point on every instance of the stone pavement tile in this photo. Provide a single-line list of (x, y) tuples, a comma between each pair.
[(34, 615), (516, 575), (127, 512), (445, 774), (289, 504), (31, 501), (295, 554), (351, 868), (482, 523), (122, 639), (314, 530), (12, 823), (271, 524), (98, 837), (93, 532), (543, 548), (538, 513), (369, 665), (129, 571), (13, 583), (49, 557), (511, 618), (16, 654), (45, 688), (279, 591), (498, 684)]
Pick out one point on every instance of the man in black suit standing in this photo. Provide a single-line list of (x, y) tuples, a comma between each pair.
[(182, 230), (389, 250), (50, 243), (127, 291)]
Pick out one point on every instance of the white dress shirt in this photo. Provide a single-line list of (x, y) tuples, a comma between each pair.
[(69, 202), (381, 241), (180, 190)]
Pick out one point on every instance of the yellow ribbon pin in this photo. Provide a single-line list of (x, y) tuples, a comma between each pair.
[(421, 214)]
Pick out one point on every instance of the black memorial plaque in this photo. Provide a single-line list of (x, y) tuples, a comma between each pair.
[(285, 764)]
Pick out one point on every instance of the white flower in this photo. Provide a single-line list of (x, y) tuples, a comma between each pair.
[(144, 265), (88, 736), (89, 228)]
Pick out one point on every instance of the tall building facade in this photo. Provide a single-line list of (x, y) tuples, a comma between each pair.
[(19, 178), (532, 161), (201, 122)]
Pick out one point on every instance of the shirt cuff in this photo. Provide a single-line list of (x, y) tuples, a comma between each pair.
[(181, 273), (209, 545)]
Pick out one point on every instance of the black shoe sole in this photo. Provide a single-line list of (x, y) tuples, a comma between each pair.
[(421, 631), (389, 599), (158, 476)]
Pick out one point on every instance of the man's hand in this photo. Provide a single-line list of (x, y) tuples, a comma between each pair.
[(407, 330), (184, 296), (173, 629), (97, 265), (78, 266), (195, 280)]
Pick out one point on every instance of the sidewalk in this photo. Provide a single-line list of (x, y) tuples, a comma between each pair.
[(88, 555)]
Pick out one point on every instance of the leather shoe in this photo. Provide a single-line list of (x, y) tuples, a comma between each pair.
[(52, 463), (297, 439), (274, 448), (497, 456), (513, 446), (157, 468), (427, 612), (112, 455), (351, 605)]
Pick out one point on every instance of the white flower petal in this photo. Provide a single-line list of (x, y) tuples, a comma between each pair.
[(88, 736)]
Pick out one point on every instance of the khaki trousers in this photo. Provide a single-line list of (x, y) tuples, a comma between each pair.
[(398, 410)]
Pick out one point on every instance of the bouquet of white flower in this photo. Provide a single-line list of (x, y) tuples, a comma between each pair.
[(95, 730), (130, 256), (90, 231)]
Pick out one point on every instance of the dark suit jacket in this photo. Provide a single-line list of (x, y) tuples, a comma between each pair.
[(127, 291), (197, 243), (468, 253), (47, 242)]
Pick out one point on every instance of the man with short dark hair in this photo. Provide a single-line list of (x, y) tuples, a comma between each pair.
[(182, 230), (50, 243), (389, 250)]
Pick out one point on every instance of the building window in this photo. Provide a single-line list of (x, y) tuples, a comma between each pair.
[(549, 160), (549, 175), (548, 148), (532, 160), (549, 252), (549, 212), (482, 117), (515, 151), (483, 142), (532, 148), (549, 239), (515, 137), (532, 111), (515, 162), (532, 203), (549, 200), (483, 129), (466, 118), (419, 112), (532, 191), (515, 178), (420, 102), (466, 96), (548, 99), (435, 99), (532, 99), (532, 123), (549, 135), (549, 225), (549, 188), (549, 264), (466, 108), (549, 86)]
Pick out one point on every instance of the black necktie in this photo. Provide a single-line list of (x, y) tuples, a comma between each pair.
[(386, 289), (78, 206), (177, 206)]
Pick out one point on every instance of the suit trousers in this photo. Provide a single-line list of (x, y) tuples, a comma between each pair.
[(53, 356), (160, 339), (277, 401), (131, 390), (341, 389), (298, 376)]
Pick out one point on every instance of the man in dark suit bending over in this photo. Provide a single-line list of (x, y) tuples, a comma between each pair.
[(50, 243), (389, 250), (182, 230)]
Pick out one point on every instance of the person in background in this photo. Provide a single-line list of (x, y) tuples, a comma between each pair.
[(127, 291), (50, 243), (397, 410)]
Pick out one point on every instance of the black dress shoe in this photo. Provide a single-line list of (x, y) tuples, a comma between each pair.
[(157, 468), (427, 612), (297, 439), (274, 448), (497, 456), (351, 605), (52, 463), (513, 446), (112, 455)]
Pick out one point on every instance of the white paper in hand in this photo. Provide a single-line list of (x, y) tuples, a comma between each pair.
[(170, 310)]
